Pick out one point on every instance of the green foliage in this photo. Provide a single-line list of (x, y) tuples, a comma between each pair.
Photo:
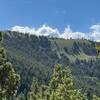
[(38, 91), (59, 88), (8, 78), (61, 85), (98, 50), (34, 56), (0, 36), (95, 97), (97, 47), (20, 97)]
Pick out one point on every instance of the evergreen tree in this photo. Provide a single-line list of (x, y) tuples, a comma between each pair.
[(95, 97), (8, 78), (59, 88), (61, 85)]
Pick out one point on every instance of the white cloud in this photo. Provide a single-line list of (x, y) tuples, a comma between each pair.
[(45, 30), (95, 32), (23, 29), (48, 31), (68, 33), (42, 31), (95, 27)]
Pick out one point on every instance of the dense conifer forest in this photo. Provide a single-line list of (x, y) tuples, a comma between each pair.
[(44, 68)]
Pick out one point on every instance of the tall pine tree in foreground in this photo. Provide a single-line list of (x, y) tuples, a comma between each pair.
[(61, 85), (59, 88), (9, 80)]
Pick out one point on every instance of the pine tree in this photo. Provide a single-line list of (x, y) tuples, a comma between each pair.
[(59, 88), (61, 85), (38, 91), (95, 97), (9, 80)]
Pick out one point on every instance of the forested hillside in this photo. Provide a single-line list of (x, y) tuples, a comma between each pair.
[(34, 58)]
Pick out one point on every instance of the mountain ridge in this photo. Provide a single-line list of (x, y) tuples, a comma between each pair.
[(34, 56)]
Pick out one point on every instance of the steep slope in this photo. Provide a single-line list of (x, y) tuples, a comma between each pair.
[(73, 49), (34, 56)]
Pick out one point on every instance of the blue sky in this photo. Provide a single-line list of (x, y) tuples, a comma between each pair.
[(79, 14)]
